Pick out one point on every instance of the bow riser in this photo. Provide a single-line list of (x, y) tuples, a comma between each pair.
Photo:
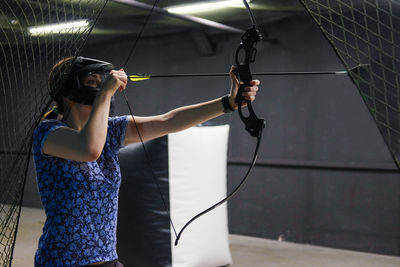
[(246, 54)]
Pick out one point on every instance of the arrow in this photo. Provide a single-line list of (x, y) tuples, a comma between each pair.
[(141, 77)]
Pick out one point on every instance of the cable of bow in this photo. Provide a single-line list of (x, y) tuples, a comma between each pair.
[(134, 120), (245, 54)]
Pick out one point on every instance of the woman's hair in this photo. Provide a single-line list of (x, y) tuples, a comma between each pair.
[(56, 83)]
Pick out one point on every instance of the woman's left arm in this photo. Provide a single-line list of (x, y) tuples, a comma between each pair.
[(185, 117)]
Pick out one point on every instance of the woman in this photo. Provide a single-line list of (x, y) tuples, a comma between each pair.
[(75, 152)]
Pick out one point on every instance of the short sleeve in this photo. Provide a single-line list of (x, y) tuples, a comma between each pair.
[(117, 130), (42, 131)]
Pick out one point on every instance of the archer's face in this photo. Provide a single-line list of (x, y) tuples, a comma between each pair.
[(91, 79)]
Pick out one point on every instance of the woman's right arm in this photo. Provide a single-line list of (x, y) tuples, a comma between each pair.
[(86, 144)]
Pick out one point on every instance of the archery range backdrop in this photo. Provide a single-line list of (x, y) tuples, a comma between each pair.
[(324, 175)]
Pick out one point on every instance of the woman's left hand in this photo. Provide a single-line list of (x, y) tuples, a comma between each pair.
[(249, 92)]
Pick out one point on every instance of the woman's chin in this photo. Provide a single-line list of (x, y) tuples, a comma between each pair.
[(84, 107)]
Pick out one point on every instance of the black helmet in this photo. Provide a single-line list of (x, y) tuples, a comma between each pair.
[(73, 88)]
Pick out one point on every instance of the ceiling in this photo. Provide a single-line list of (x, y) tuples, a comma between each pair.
[(123, 19), (117, 19)]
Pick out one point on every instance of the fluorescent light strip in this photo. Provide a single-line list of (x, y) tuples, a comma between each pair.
[(60, 28), (204, 6)]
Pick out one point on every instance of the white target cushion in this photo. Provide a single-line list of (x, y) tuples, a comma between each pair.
[(197, 179)]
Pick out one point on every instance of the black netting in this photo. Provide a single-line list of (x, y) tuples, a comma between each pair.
[(26, 56), (366, 36)]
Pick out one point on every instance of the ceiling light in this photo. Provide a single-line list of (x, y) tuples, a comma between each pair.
[(204, 6), (60, 28)]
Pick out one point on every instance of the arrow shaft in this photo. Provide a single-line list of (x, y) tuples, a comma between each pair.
[(183, 75)]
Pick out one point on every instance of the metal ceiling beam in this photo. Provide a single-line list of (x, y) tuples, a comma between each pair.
[(197, 20)]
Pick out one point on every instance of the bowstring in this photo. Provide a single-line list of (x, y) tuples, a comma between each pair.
[(134, 120)]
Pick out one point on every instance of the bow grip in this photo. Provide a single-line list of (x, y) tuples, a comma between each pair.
[(253, 124)]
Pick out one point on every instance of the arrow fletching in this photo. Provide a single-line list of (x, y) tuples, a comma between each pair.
[(138, 77)]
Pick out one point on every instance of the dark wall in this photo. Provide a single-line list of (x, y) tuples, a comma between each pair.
[(324, 175)]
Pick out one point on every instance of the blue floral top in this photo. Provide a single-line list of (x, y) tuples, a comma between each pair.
[(80, 200)]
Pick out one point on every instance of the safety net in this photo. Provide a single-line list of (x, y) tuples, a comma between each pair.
[(34, 35), (366, 37)]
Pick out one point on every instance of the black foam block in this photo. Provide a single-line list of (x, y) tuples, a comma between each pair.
[(143, 225)]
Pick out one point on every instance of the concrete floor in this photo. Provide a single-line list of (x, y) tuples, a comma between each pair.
[(246, 251)]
